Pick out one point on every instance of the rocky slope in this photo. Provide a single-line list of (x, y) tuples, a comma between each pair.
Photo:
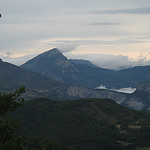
[(52, 64)]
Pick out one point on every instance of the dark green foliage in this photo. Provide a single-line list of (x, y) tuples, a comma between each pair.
[(35, 143), (85, 124), (8, 139), (10, 101)]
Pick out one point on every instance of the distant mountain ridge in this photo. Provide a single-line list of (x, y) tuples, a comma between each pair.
[(55, 65), (83, 62), (12, 77)]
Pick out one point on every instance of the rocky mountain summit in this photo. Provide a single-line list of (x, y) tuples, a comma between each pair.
[(51, 64)]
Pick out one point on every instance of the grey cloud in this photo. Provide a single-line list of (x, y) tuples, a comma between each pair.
[(8, 54), (98, 42), (64, 48), (17, 61), (114, 62), (104, 23), (145, 10), (142, 10)]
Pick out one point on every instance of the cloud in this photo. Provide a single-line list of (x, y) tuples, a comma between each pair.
[(114, 62), (102, 87), (122, 90), (104, 23), (139, 10), (143, 10), (95, 42), (66, 47), (17, 61), (8, 54), (125, 90)]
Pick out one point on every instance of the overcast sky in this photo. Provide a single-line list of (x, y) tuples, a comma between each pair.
[(111, 33)]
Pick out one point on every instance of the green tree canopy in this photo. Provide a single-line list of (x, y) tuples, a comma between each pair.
[(8, 102)]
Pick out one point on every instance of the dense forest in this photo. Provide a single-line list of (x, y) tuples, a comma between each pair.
[(83, 124), (9, 138)]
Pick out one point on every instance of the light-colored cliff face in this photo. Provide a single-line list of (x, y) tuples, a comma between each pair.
[(82, 92), (127, 100), (74, 92)]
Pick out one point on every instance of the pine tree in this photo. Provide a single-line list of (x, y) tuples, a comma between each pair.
[(9, 140)]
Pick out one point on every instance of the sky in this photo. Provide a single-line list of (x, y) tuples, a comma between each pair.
[(112, 34)]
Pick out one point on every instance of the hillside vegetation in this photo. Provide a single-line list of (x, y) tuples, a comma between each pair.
[(87, 124)]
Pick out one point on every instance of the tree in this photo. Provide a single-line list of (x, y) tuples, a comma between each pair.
[(9, 102)]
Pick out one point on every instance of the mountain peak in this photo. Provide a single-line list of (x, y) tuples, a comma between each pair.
[(55, 50), (51, 53), (51, 63)]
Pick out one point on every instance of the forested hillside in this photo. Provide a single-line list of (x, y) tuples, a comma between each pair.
[(85, 124)]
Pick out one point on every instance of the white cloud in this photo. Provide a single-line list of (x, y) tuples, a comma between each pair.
[(64, 48), (102, 87), (113, 62), (123, 90), (17, 61)]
